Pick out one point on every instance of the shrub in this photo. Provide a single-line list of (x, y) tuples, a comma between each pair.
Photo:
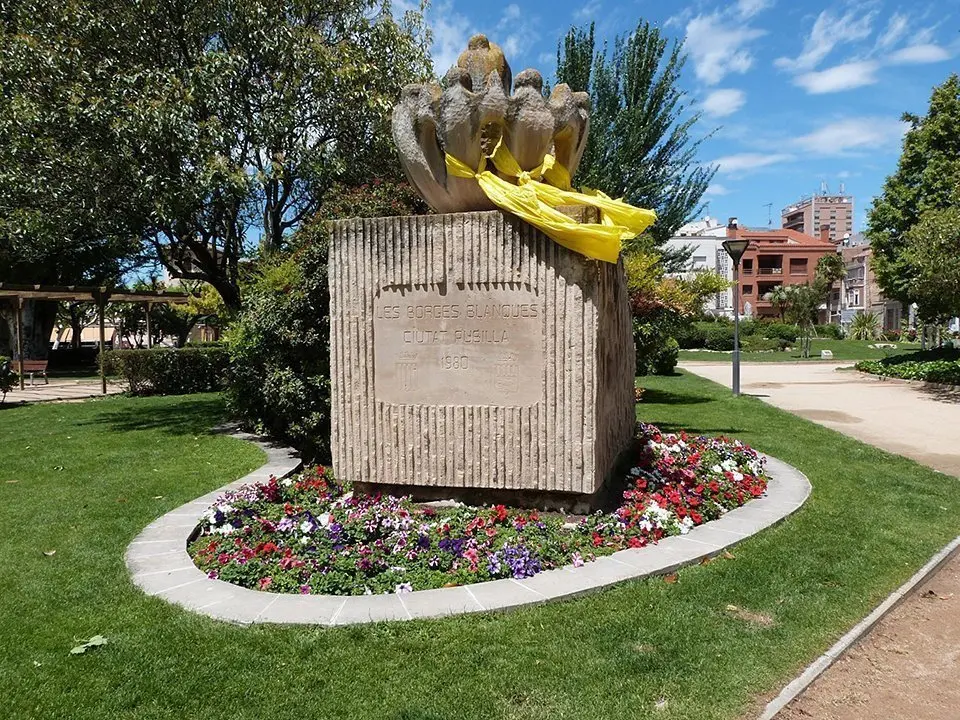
[(170, 371), (755, 343), (720, 338), (831, 331), (778, 331), (692, 336), (936, 366), (657, 352), (8, 377), (279, 350)]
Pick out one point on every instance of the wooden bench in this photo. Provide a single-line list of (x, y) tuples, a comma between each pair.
[(32, 367)]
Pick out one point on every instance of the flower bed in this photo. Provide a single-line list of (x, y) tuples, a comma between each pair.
[(313, 534), (935, 366)]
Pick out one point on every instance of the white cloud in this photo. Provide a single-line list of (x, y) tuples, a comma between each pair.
[(827, 32), (510, 13), (919, 54), (718, 45), (748, 8), (546, 58), (521, 32), (721, 103), (851, 134), (743, 162), (588, 11), (451, 31), (716, 189), (840, 77), (680, 19), (896, 30)]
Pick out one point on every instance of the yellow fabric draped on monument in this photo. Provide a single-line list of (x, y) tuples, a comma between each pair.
[(536, 202)]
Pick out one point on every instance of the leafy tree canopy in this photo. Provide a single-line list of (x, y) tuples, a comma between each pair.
[(642, 143), (927, 178), (195, 128), (933, 253)]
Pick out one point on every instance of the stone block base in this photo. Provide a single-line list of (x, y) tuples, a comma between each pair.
[(471, 351)]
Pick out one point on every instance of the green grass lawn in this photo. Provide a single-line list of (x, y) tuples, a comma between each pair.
[(842, 350), (87, 480)]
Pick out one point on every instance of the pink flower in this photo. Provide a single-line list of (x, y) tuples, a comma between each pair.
[(577, 560), (265, 583)]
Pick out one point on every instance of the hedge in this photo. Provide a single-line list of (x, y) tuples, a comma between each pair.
[(171, 371), (935, 366)]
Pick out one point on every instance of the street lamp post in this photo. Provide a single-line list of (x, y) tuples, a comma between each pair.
[(735, 249)]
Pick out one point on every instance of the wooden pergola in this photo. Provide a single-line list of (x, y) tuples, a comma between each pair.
[(78, 293)]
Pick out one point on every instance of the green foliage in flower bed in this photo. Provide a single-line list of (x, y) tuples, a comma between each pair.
[(936, 366), (313, 534), (8, 378), (171, 371)]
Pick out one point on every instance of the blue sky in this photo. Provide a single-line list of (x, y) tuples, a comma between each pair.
[(799, 92)]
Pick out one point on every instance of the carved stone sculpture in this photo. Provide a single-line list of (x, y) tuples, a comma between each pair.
[(473, 111)]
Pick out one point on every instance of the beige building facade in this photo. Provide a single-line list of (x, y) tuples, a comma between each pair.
[(818, 214)]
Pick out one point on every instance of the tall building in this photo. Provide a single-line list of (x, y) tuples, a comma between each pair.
[(815, 213)]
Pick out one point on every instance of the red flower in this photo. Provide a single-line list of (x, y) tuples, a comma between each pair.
[(265, 583)]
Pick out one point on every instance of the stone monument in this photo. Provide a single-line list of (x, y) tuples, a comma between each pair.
[(471, 351)]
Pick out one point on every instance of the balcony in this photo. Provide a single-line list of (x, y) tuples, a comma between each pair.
[(770, 271)]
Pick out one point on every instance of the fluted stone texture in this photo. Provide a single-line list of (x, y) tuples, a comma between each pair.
[(471, 351)]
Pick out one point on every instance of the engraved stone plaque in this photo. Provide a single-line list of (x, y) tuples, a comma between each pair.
[(458, 345)]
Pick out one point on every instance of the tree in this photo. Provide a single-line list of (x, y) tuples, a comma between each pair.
[(641, 145), (803, 306), (830, 269), (927, 178), (933, 252), (67, 204), (226, 120)]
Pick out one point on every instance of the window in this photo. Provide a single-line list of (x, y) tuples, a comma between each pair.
[(798, 266), (699, 262), (748, 289), (748, 266)]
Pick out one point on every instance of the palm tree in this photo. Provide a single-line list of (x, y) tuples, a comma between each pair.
[(864, 326), (779, 297)]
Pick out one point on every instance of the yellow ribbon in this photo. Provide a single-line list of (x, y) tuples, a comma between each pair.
[(535, 201)]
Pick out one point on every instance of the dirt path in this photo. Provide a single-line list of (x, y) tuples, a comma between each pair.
[(908, 420), (908, 667)]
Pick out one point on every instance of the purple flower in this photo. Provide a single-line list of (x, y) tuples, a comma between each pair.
[(304, 589)]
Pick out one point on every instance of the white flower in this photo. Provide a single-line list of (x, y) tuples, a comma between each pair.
[(738, 477), (304, 540), (686, 525), (225, 529), (324, 519), (306, 527), (287, 481)]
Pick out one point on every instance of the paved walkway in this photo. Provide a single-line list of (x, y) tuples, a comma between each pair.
[(59, 389), (906, 419)]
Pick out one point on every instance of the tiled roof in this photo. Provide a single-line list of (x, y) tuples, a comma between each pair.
[(781, 235)]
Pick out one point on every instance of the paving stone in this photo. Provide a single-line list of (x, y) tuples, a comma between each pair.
[(161, 582), (371, 608), (302, 609), (244, 607), (151, 564), (502, 594), (440, 602)]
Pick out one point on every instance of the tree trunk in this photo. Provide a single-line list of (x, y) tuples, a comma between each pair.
[(76, 327), (39, 319)]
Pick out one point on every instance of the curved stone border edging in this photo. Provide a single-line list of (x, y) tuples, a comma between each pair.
[(822, 663), (160, 565)]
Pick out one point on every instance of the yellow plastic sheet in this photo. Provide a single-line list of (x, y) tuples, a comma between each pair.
[(535, 202)]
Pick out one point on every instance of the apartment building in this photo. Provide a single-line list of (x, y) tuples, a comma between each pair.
[(860, 292), (774, 258), (704, 238), (811, 214)]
